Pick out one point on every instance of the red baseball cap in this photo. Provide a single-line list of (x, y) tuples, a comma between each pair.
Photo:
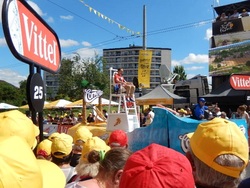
[(118, 138), (157, 166)]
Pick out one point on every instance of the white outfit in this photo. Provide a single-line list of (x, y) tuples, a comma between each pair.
[(68, 172), (218, 114), (152, 114), (235, 15), (74, 185), (245, 116)]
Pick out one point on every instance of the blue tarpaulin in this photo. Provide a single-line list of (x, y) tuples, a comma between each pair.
[(169, 130)]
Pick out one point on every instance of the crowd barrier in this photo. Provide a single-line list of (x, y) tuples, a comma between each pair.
[(170, 130)]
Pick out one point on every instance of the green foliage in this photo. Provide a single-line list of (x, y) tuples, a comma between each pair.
[(248, 63), (11, 94), (78, 74), (211, 68), (218, 59), (179, 69)]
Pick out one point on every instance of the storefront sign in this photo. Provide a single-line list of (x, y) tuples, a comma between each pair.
[(240, 82), (29, 37)]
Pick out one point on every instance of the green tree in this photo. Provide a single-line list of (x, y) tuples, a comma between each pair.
[(74, 71), (10, 94), (66, 80), (23, 91), (179, 69), (248, 63)]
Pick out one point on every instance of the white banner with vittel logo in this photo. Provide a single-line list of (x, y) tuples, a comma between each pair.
[(240, 82), (29, 37)]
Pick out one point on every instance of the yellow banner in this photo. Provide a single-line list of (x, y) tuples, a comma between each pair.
[(144, 67)]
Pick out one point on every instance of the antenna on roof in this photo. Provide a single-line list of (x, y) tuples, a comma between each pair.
[(166, 75)]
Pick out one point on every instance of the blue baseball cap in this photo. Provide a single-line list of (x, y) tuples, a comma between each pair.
[(202, 100)]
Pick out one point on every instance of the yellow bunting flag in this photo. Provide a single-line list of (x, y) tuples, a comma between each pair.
[(144, 67), (99, 14)]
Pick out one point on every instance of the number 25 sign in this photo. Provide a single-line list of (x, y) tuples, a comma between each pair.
[(36, 92)]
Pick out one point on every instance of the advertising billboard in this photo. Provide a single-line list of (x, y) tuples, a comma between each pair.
[(29, 37), (230, 59)]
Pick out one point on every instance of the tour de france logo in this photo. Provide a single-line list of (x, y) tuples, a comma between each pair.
[(226, 26), (243, 129), (184, 142)]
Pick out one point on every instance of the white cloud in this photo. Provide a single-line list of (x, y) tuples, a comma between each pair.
[(208, 34), (84, 53), (190, 76), (201, 23), (69, 17), (87, 44), (194, 58), (175, 63), (89, 52), (194, 68), (11, 77), (50, 20), (36, 8), (68, 43), (3, 42), (191, 59)]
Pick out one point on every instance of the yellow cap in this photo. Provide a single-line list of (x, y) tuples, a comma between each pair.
[(15, 123), (182, 111), (217, 137), (63, 144), (94, 143), (18, 163), (20, 168), (44, 148), (53, 176), (53, 135), (82, 133)]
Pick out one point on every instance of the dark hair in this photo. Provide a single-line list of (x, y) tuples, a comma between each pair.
[(64, 160), (94, 156)]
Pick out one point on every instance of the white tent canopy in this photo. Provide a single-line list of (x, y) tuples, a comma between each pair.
[(78, 104), (7, 106), (27, 106), (60, 103), (104, 102)]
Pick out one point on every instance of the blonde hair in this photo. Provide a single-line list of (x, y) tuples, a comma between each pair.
[(87, 169), (207, 176)]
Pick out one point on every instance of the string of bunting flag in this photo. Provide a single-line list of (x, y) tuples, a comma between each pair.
[(99, 14)]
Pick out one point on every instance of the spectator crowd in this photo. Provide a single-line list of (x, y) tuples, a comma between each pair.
[(217, 156)]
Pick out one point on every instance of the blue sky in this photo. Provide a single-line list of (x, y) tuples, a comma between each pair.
[(182, 25)]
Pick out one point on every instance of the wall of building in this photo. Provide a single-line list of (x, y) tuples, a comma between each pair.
[(127, 58)]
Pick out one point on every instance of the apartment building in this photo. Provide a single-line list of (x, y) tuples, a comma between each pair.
[(51, 83), (127, 58)]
